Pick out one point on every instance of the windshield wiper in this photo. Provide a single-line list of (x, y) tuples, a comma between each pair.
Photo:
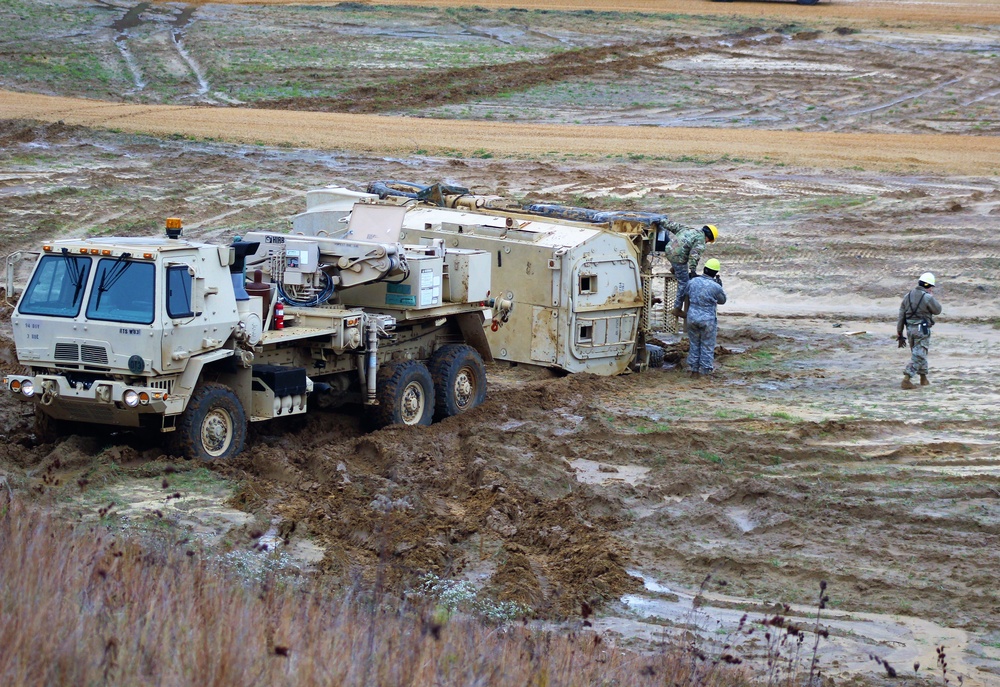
[(75, 273), (111, 276)]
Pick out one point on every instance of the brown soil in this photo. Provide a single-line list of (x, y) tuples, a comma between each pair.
[(948, 12), (398, 135), (801, 460)]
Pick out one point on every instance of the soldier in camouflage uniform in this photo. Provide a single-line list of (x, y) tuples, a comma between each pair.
[(703, 294), (916, 313), (684, 252)]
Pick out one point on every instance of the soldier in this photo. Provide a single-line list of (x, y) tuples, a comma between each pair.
[(702, 295), (684, 251), (916, 313)]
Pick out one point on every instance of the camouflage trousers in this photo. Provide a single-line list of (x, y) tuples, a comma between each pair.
[(681, 275), (919, 343), (701, 343)]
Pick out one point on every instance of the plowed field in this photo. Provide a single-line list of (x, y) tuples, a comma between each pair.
[(838, 165)]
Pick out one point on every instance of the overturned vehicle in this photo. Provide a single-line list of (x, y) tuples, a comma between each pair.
[(583, 280)]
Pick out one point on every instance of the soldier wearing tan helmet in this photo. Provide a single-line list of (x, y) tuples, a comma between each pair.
[(916, 314)]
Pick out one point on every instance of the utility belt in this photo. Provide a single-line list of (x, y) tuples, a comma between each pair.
[(923, 326)]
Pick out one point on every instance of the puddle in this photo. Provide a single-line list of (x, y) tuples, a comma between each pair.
[(199, 510), (592, 472), (663, 612), (744, 64), (131, 19), (957, 470)]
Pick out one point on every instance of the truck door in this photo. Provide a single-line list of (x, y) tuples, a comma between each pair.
[(606, 302)]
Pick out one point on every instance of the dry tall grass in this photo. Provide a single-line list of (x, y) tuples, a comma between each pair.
[(79, 607)]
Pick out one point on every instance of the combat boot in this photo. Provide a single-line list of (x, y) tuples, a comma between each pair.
[(907, 384), (924, 381)]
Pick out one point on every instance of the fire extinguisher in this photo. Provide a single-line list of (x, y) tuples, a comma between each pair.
[(279, 315)]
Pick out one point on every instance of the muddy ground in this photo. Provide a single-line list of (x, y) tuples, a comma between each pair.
[(800, 461)]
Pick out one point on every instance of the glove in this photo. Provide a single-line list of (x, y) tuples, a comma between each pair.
[(677, 312), (901, 340)]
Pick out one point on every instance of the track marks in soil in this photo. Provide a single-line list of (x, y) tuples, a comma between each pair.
[(434, 88), (134, 17)]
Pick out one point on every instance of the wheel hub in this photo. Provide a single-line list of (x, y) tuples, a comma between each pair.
[(217, 432), (412, 407), (464, 388)]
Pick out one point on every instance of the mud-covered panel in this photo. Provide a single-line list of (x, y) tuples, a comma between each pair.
[(607, 334), (544, 335)]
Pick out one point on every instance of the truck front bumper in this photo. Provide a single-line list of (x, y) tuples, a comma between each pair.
[(105, 402)]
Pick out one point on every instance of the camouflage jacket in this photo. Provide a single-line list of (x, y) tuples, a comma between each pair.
[(917, 305), (686, 245), (703, 294)]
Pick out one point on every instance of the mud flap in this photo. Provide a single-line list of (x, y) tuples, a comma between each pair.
[(471, 326)]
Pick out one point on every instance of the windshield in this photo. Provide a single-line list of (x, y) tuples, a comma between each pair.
[(56, 287), (123, 291)]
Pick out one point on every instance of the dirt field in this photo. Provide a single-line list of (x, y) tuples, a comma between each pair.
[(801, 460)]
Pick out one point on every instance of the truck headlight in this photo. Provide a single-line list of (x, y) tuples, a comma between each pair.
[(130, 398), (28, 388)]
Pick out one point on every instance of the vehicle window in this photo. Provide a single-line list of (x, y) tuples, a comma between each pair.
[(122, 291), (179, 292), (56, 288)]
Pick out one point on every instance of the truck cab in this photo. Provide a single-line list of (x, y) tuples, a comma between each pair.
[(108, 326)]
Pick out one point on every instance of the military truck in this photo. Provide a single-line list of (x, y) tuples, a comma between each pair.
[(586, 283), (167, 334)]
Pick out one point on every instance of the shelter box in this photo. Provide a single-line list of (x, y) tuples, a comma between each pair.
[(420, 289), (466, 275)]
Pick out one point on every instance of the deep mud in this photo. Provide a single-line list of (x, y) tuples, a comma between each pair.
[(800, 461)]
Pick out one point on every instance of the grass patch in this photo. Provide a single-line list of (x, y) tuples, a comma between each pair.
[(782, 415), (127, 613)]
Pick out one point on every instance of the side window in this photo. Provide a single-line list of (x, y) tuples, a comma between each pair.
[(179, 292)]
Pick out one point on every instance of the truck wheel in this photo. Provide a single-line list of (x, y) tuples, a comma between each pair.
[(214, 426), (405, 395), (459, 380), (656, 356)]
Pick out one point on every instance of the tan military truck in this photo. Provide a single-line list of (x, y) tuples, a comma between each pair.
[(196, 340)]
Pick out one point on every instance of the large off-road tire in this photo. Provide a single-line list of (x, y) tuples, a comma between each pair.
[(459, 380), (214, 425), (656, 356), (405, 393)]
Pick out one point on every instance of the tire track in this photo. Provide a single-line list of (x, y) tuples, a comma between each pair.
[(966, 155)]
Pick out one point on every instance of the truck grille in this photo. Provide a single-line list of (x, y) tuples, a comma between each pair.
[(165, 384), (95, 355), (67, 351), (71, 352)]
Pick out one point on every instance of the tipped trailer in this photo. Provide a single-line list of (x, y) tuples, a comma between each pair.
[(583, 280)]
